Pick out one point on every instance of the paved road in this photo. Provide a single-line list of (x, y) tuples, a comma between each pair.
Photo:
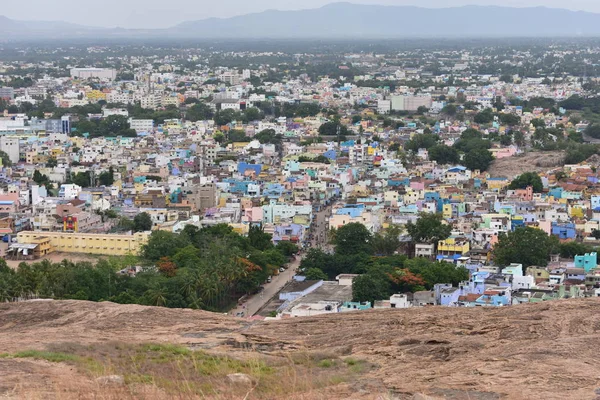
[(254, 303)]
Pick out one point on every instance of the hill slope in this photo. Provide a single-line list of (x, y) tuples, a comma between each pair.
[(537, 351), (371, 21), (343, 20)]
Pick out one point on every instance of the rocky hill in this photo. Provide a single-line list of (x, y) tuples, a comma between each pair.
[(72, 349)]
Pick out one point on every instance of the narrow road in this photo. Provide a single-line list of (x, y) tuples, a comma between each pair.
[(254, 303)]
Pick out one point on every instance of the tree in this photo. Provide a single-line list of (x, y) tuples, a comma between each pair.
[(449, 109), (593, 130), (107, 178), (81, 179), (162, 244), (353, 238), (422, 110), (51, 162), (287, 248), (538, 123), (224, 117), (574, 102), (386, 242), (5, 159), (527, 179), (519, 139), (142, 222), (572, 249), (166, 267), (471, 133), (268, 136), (259, 239), (596, 234), (421, 141), (369, 287), (484, 117), (526, 246), (509, 119), (199, 112), (252, 114), (315, 274), (506, 140), (478, 159), (429, 228), (331, 129), (443, 154)]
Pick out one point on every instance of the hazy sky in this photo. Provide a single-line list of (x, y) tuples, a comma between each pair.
[(165, 13)]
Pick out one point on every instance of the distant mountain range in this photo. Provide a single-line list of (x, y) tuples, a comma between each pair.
[(343, 20)]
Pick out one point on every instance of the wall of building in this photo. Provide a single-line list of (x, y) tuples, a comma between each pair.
[(102, 244)]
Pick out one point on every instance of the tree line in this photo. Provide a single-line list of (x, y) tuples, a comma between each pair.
[(208, 268)]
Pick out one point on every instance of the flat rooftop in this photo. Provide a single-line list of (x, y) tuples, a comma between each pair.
[(329, 291), (297, 286)]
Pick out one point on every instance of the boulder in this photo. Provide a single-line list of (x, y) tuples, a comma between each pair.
[(111, 380), (240, 379)]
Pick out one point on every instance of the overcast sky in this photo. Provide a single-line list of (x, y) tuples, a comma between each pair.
[(165, 13)]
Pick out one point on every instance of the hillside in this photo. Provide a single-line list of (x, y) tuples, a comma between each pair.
[(537, 161), (372, 21), (343, 20), (537, 351)]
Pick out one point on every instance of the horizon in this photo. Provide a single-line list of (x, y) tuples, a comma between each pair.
[(137, 15)]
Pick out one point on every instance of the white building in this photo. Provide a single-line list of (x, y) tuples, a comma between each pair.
[(10, 145), (100, 73), (384, 106), (69, 191), (141, 125), (107, 112), (410, 103)]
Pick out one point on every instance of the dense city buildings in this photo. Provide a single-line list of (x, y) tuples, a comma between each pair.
[(427, 158)]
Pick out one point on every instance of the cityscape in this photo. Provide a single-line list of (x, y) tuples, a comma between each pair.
[(393, 216)]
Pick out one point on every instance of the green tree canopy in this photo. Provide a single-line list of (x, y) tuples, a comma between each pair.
[(370, 287), (443, 154), (478, 159), (331, 129), (525, 245), (421, 141), (484, 117), (353, 238), (429, 228), (199, 112), (527, 179), (142, 222), (386, 242), (315, 274)]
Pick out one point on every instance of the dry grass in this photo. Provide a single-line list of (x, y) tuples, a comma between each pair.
[(154, 371)]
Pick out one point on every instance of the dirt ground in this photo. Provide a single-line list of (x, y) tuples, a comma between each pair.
[(512, 167), (53, 257), (536, 351)]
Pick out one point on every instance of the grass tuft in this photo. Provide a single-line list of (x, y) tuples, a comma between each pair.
[(46, 355)]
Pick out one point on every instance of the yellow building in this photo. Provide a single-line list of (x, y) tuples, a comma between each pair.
[(95, 95), (452, 246), (497, 183), (88, 243), (447, 211), (576, 212)]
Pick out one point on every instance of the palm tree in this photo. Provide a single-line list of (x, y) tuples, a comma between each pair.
[(157, 296)]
